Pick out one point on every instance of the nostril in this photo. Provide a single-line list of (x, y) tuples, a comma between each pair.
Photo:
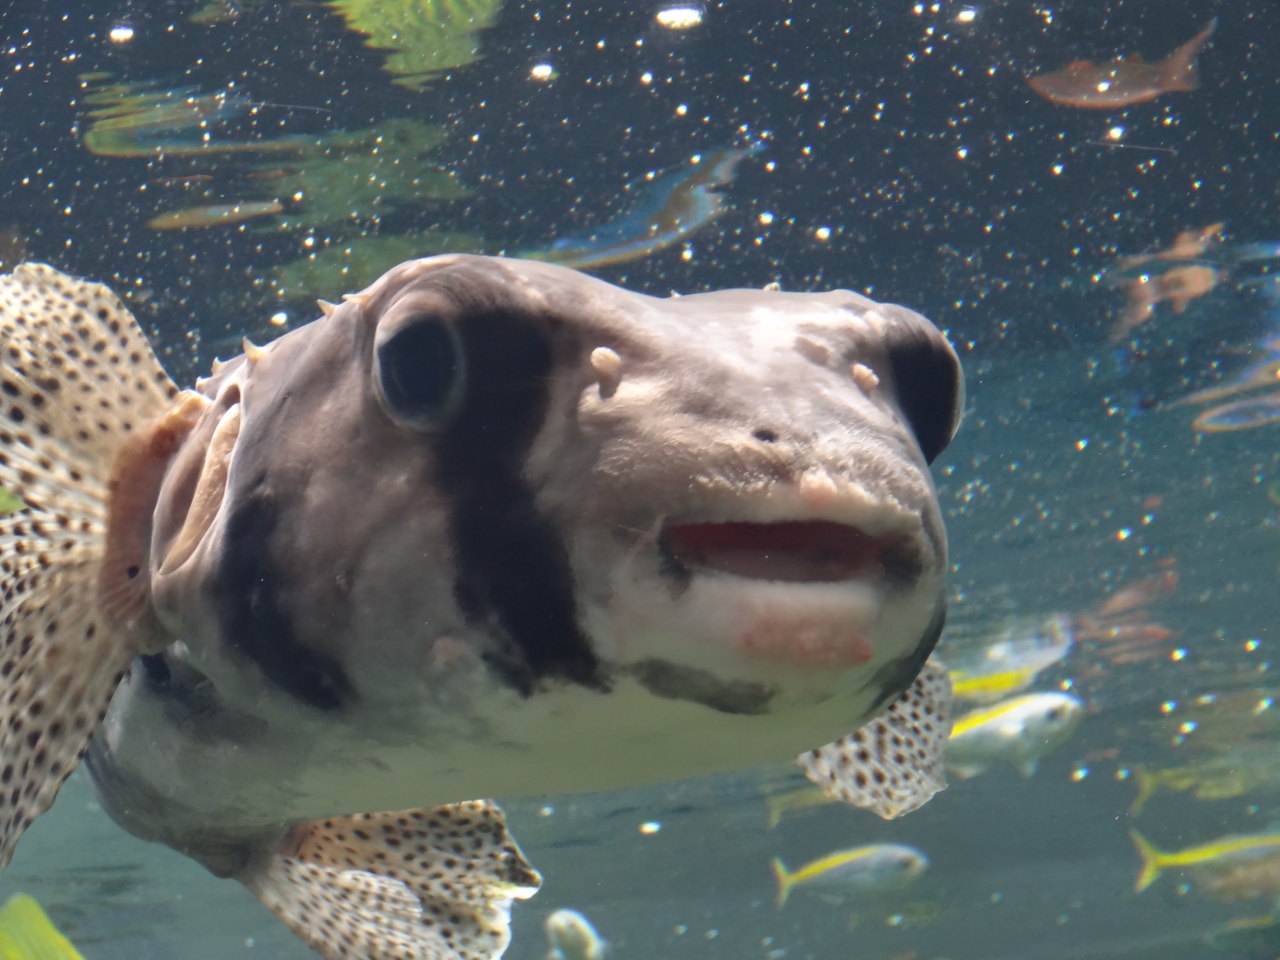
[(765, 435)]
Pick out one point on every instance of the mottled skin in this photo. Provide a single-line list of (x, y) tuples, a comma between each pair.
[(377, 605)]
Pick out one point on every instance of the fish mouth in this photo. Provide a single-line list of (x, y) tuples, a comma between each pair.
[(797, 551)]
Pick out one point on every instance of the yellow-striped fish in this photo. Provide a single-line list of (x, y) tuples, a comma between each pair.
[(1019, 731), (1207, 860), (26, 933), (878, 866)]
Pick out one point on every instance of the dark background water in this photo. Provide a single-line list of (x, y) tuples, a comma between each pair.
[(866, 107)]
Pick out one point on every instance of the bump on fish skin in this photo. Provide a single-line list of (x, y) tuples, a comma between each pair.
[(80, 385), (326, 307), (412, 885), (893, 765)]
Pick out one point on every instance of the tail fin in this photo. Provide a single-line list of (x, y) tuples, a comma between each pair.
[(783, 879), (1148, 783), (25, 931), (1151, 861), (1180, 70), (80, 384)]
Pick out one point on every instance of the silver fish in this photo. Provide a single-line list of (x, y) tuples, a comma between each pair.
[(489, 527)]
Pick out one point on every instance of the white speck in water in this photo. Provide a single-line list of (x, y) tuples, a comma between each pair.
[(121, 33), (542, 71)]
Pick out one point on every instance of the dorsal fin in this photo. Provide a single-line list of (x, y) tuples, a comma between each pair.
[(80, 384)]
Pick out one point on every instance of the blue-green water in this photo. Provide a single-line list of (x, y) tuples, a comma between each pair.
[(906, 157)]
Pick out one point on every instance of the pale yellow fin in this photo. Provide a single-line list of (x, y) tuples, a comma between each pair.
[(80, 384), (893, 764), (783, 879), (1152, 865), (1148, 783), (412, 885), (26, 933)]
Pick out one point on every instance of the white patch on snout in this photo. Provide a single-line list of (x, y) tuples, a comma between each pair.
[(721, 617), (806, 640)]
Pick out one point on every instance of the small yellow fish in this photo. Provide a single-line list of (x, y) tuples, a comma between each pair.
[(1232, 774), (991, 686), (26, 933), (793, 801), (1026, 646), (214, 216), (1019, 731), (1216, 857), (878, 866)]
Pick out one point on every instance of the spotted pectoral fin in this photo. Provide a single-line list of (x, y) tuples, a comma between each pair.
[(893, 764), (82, 394), (411, 885)]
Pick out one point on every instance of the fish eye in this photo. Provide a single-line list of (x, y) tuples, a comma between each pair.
[(420, 369), (930, 388)]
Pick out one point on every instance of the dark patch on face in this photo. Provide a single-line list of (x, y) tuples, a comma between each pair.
[(155, 669), (903, 566), (676, 573), (672, 682), (894, 677), (512, 566), (253, 616)]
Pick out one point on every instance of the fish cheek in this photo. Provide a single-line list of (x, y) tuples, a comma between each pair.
[(135, 484)]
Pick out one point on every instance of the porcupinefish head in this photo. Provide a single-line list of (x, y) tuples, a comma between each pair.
[(488, 527), (509, 466)]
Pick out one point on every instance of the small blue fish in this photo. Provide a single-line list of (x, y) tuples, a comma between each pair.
[(668, 210), (878, 866)]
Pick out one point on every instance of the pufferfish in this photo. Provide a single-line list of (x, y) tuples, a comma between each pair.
[(487, 528)]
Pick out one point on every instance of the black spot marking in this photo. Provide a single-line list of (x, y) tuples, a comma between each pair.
[(512, 567), (253, 615), (673, 682)]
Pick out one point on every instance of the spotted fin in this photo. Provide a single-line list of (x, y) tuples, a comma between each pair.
[(412, 885), (893, 765), (80, 385)]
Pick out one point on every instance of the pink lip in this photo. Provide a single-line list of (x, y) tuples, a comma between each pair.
[(803, 551)]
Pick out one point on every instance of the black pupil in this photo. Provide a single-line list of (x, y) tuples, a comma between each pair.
[(419, 366)]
